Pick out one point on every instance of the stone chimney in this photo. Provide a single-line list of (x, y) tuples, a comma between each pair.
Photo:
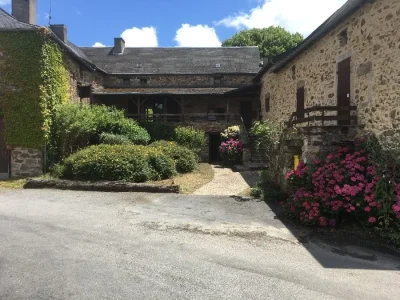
[(60, 31), (119, 46), (24, 11)]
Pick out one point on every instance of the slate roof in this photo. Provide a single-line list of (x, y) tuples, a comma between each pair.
[(164, 91), (176, 60), (350, 7), (8, 22)]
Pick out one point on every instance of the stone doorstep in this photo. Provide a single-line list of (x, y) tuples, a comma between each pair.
[(101, 186)]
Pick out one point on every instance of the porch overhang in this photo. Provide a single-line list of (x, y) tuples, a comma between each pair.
[(163, 91), (250, 90)]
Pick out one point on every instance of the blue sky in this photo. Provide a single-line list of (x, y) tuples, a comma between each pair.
[(169, 23)]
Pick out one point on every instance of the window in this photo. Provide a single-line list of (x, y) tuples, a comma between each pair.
[(343, 38), (267, 103), (126, 81), (143, 81), (217, 81)]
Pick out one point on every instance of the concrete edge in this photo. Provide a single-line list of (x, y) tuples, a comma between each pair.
[(100, 186)]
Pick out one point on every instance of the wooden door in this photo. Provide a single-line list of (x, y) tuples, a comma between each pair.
[(343, 91), (300, 95), (4, 159), (246, 108)]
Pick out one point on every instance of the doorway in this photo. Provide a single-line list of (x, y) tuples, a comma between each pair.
[(4, 157), (246, 108), (343, 91), (214, 143)]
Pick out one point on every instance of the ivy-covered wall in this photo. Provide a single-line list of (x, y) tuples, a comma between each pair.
[(33, 79)]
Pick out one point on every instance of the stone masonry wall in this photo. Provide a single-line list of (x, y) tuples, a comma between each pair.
[(79, 74), (26, 162), (179, 80), (374, 47)]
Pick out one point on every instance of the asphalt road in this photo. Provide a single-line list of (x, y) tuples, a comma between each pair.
[(86, 245)]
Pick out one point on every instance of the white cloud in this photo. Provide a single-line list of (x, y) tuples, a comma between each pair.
[(5, 2), (197, 36), (99, 45), (294, 15), (140, 37)]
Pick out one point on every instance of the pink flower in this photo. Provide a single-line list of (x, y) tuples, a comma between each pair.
[(372, 220), (367, 209)]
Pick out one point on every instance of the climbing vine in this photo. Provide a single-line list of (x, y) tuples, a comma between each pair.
[(33, 79)]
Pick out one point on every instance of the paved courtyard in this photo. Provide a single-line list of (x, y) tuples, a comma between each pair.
[(87, 245)]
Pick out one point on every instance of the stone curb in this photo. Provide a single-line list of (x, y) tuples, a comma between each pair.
[(100, 186)]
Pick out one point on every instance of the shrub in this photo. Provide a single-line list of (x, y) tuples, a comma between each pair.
[(346, 186), (185, 159), (231, 152), (159, 131), (232, 132), (114, 139), (162, 165), (266, 136), (77, 126), (190, 138), (108, 162)]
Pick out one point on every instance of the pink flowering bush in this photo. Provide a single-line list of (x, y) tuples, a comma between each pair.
[(342, 187), (231, 151)]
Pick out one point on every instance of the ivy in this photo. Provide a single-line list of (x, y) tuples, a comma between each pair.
[(33, 79)]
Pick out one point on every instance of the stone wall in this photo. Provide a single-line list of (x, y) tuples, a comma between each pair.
[(179, 80), (80, 75), (26, 162), (373, 46)]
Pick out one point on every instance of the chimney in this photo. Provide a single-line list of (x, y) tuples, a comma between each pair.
[(60, 31), (24, 11), (119, 46)]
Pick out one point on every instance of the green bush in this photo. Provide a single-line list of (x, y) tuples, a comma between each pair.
[(189, 137), (77, 126), (114, 139), (117, 162), (185, 159), (162, 165), (159, 131)]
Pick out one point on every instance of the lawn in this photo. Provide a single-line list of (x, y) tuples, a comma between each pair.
[(192, 181)]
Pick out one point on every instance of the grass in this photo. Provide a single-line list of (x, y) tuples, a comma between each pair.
[(192, 181), (12, 184)]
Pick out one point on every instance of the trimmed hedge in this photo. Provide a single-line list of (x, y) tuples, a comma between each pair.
[(189, 137), (114, 139), (117, 162), (185, 159), (77, 126)]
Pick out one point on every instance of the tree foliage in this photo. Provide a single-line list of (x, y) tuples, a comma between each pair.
[(271, 41)]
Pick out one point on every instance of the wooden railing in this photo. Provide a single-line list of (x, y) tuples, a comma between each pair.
[(197, 117), (320, 115)]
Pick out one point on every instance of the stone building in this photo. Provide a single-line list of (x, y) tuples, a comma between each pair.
[(208, 88), (200, 87), (343, 80)]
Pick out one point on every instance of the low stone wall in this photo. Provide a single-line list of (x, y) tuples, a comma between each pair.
[(101, 186), (26, 162)]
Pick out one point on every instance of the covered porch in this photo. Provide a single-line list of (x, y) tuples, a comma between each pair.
[(206, 105)]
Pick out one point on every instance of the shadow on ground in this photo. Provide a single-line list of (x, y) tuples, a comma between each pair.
[(357, 249)]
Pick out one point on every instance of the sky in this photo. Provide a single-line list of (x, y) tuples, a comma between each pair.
[(177, 23)]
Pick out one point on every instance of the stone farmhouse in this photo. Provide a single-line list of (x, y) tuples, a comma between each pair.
[(343, 80), (208, 88)]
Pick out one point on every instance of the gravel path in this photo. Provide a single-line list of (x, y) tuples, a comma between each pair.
[(228, 183)]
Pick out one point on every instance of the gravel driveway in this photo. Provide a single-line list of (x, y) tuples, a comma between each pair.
[(87, 245), (228, 183)]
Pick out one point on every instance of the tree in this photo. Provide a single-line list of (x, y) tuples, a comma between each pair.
[(271, 41)]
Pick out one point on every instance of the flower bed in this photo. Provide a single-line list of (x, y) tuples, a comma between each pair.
[(348, 185), (231, 152)]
